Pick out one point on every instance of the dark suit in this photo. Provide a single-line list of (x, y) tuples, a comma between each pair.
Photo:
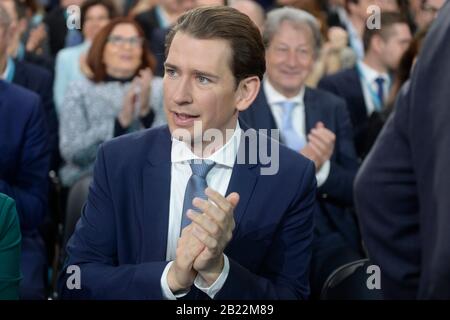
[(347, 85), (155, 35), (39, 80), (24, 162), (120, 241), (402, 191), (56, 28), (336, 227), (149, 21)]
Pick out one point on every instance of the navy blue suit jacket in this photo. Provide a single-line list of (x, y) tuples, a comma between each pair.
[(24, 157), (336, 194), (120, 241), (402, 190), (347, 85), (40, 81)]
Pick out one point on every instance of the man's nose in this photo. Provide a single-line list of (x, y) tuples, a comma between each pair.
[(183, 94), (292, 58)]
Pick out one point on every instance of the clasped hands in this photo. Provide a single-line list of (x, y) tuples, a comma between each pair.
[(201, 245)]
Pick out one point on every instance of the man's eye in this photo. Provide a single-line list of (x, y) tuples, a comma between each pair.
[(170, 72), (203, 80)]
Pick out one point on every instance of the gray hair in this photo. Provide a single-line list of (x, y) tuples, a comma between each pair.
[(5, 19), (298, 18)]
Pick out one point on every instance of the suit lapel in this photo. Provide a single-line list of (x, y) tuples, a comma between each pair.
[(315, 110), (360, 108), (156, 197), (263, 115), (243, 181)]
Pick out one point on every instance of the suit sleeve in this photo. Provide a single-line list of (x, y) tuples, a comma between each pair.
[(344, 163), (286, 268), (29, 189), (385, 198), (93, 249), (327, 84)]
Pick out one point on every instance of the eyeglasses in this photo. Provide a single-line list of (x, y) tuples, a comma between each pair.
[(120, 41)]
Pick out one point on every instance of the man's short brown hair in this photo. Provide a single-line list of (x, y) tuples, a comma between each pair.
[(387, 21), (220, 22)]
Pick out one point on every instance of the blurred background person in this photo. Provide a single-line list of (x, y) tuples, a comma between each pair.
[(252, 9), (24, 159), (378, 119), (59, 36), (30, 41), (316, 124), (161, 15), (366, 86), (29, 75), (120, 95), (356, 19), (10, 241), (95, 14), (425, 11)]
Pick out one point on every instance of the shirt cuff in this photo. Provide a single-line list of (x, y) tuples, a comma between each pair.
[(218, 284), (167, 293), (323, 173)]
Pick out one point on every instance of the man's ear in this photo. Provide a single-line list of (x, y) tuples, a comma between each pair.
[(246, 92)]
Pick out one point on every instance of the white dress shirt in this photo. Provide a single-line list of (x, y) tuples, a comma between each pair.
[(368, 78), (274, 99), (218, 179)]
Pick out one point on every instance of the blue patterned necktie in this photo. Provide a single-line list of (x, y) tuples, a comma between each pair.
[(195, 187), (380, 92), (290, 137)]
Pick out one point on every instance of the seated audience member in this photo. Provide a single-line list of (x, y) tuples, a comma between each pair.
[(355, 20), (401, 192), (29, 40), (30, 76), (139, 236), (378, 119), (59, 36), (95, 14), (425, 11), (24, 167), (24, 160), (315, 124), (160, 16), (334, 56), (9, 249), (366, 86), (120, 96), (252, 9)]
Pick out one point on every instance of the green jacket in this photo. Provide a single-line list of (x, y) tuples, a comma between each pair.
[(10, 239)]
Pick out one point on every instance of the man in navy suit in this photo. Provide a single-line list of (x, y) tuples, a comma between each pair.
[(31, 76), (402, 189), (24, 165), (252, 237), (317, 126), (366, 86)]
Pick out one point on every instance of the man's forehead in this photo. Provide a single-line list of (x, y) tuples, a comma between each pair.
[(198, 53)]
